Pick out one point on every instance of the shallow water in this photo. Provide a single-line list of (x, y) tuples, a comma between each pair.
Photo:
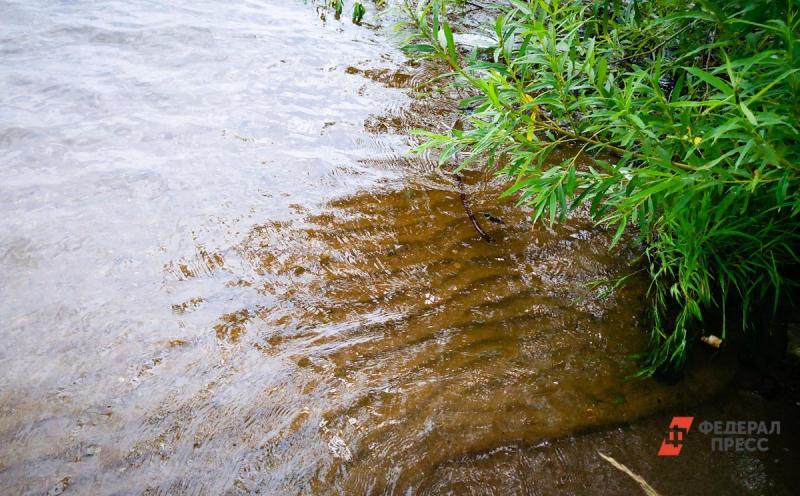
[(221, 273)]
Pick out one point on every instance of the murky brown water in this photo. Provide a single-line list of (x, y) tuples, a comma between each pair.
[(221, 273)]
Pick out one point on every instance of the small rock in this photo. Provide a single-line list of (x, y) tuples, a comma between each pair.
[(491, 218), (91, 450), (59, 487), (711, 340), (793, 341)]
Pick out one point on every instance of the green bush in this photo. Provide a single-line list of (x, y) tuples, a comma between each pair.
[(679, 120)]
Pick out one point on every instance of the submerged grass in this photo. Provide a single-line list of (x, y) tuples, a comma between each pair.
[(338, 6), (686, 114)]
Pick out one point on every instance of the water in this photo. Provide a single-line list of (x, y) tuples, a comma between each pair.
[(221, 273)]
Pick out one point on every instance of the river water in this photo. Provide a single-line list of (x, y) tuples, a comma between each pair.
[(221, 272)]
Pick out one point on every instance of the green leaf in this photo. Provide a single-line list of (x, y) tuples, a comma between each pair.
[(620, 231), (602, 72), (748, 114), (358, 12), (451, 46), (710, 79), (418, 48)]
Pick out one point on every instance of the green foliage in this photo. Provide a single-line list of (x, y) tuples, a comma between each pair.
[(677, 119), (358, 12), (338, 7)]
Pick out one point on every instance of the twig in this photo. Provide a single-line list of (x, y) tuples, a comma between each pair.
[(648, 52), (465, 202), (647, 488)]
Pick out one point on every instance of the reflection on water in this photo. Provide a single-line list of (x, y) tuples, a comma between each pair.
[(221, 274)]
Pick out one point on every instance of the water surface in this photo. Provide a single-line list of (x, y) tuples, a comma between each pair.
[(221, 273)]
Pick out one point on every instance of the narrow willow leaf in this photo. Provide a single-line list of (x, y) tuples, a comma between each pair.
[(619, 232), (418, 48), (451, 46), (748, 114), (602, 72), (712, 80)]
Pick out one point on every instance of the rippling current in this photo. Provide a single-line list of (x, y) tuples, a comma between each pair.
[(221, 272)]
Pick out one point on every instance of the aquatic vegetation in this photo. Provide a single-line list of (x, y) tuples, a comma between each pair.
[(338, 8), (358, 12), (678, 120)]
